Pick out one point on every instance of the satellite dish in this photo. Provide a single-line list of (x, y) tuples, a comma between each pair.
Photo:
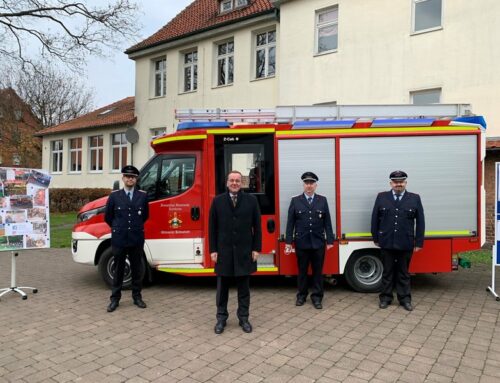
[(132, 135)]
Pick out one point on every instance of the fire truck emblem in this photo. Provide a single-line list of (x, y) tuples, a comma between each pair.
[(175, 222)]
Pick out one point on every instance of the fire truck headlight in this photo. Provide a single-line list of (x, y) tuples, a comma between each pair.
[(86, 215)]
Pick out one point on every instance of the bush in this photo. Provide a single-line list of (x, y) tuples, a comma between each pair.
[(67, 200)]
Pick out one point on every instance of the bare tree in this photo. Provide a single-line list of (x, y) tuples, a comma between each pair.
[(63, 29), (53, 95)]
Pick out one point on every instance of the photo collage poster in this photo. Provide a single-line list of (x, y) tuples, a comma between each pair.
[(24, 209)]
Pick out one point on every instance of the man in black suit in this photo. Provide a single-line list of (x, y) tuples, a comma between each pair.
[(309, 224), (235, 243), (126, 211), (397, 227)]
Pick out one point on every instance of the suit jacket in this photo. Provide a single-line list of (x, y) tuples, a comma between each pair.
[(398, 225), (127, 218), (311, 224), (234, 232)]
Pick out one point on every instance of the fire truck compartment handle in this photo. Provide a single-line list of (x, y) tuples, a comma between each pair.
[(271, 226), (195, 213)]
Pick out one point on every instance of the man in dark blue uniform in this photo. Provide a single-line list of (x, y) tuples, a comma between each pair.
[(397, 227), (126, 211), (309, 224)]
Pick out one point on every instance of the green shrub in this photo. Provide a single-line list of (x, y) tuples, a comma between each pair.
[(68, 200)]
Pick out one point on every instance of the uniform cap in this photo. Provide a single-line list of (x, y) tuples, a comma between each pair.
[(398, 175), (130, 170), (309, 176)]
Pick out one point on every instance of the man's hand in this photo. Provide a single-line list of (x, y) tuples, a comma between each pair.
[(376, 244), (214, 257), (328, 247), (417, 249), (255, 254), (288, 249)]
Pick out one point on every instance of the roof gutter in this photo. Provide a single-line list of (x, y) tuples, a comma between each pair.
[(201, 34)]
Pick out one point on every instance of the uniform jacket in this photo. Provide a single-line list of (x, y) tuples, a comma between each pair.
[(312, 223), (234, 233), (398, 225), (127, 218)]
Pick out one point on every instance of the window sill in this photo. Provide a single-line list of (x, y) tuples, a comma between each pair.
[(222, 86), (95, 171), (262, 78), (188, 92), (157, 97), (56, 173), (423, 31), (317, 54), (77, 173)]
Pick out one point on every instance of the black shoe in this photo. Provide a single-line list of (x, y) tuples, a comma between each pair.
[(383, 304), (112, 306), (407, 306), (317, 305), (140, 303), (300, 301), (246, 326), (219, 326)]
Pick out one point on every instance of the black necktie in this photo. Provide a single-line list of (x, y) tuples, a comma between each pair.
[(310, 200), (129, 196), (234, 198), (398, 197)]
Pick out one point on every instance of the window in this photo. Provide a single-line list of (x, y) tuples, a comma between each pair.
[(265, 54), (327, 30), (56, 156), (75, 155), (426, 14), (227, 5), (225, 63), (429, 96), (96, 152), (191, 71), (119, 150), (167, 176), (160, 80)]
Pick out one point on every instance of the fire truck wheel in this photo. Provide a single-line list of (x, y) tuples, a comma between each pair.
[(107, 269), (363, 271)]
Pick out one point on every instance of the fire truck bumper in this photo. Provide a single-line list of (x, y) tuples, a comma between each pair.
[(84, 247)]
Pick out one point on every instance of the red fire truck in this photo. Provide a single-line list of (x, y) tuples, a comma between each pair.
[(351, 148)]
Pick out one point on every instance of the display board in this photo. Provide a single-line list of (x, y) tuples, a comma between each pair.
[(24, 209)]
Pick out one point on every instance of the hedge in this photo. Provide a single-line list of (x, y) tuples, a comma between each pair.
[(67, 200)]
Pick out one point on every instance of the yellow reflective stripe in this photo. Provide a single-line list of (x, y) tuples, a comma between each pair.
[(241, 131), (179, 138), (284, 133), (427, 233), (205, 271)]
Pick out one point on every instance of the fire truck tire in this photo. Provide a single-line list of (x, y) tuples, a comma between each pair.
[(106, 269), (363, 271)]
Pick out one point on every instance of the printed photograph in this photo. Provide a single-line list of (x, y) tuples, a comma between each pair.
[(14, 188), (4, 202), (21, 202), (39, 227), (39, 178), (36, 241), (37, 214), (39, 196), (22, 174), (2, 230), (12, 242), (15, 216)]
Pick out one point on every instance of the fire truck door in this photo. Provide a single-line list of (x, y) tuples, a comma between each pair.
[(253, 156)]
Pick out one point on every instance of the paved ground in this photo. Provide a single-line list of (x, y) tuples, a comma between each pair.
[(64, 333)]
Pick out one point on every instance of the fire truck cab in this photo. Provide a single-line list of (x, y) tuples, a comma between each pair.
[(351, 148)]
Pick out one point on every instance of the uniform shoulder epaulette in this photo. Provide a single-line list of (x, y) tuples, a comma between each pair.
[(114, 191), (142, 191)]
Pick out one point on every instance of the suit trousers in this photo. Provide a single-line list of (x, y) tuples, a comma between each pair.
[(396, 263), (243, 285), (134, 256), (316, 258)]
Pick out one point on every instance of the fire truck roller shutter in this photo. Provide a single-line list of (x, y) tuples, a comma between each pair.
[(299, 156), (441, 169)]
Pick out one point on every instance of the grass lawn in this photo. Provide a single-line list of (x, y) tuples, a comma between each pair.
[(477, 257), (61, 225)]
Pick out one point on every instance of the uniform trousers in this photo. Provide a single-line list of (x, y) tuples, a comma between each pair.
[(316, 258), (396, 263), (134, 255), (243, 286)]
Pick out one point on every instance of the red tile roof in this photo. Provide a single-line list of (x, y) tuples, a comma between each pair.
[(492, 143), (201, 15), (118, 113)]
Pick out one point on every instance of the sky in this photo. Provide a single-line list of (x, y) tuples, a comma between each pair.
[(113, 78)]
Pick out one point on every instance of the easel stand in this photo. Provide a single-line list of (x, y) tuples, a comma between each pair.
[(491, 288), (13, 287)]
